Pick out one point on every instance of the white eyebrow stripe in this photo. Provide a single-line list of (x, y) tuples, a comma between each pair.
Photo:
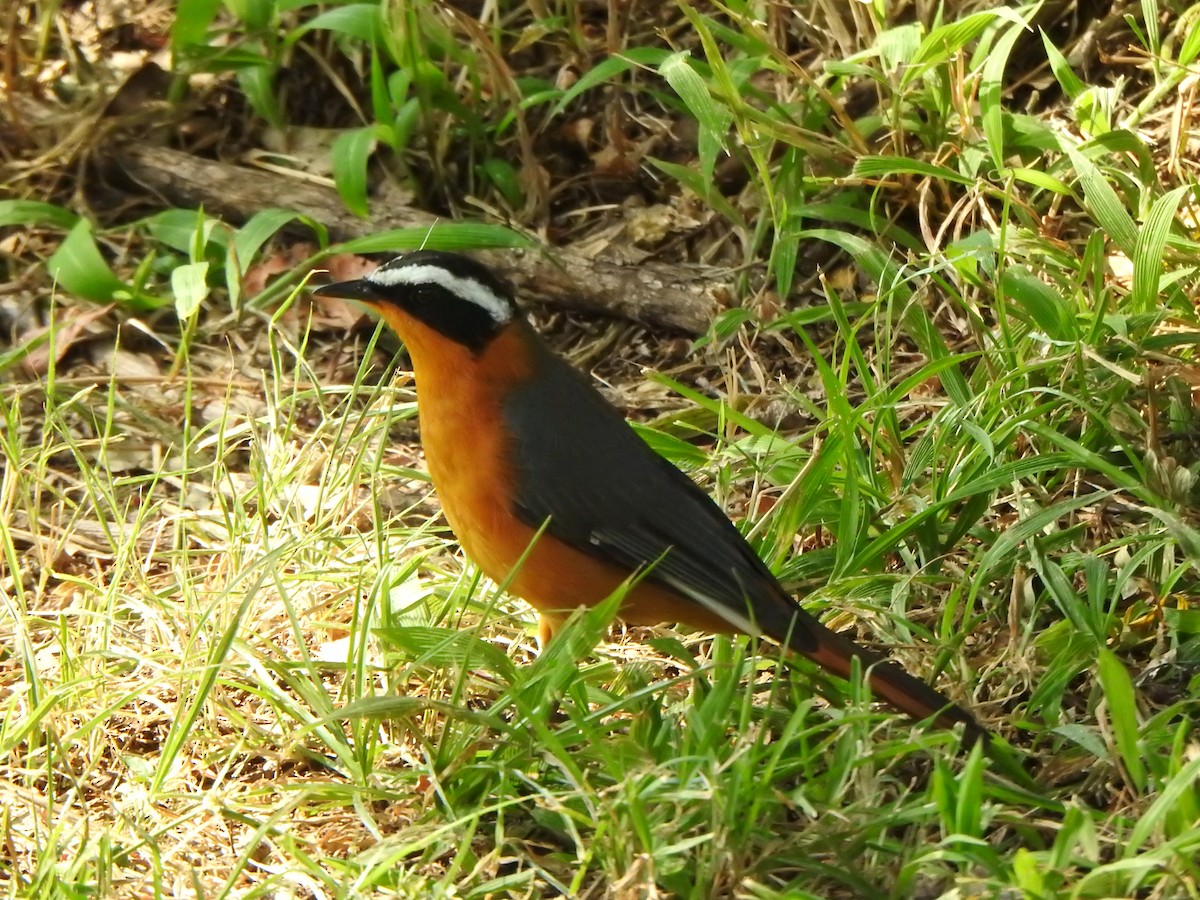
[(468, 288)]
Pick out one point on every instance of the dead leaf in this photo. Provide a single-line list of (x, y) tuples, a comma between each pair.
[(68, 331), (259, 275), (579, 132), (129, 365), (348, 267)]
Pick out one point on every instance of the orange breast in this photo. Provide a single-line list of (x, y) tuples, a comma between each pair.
[(463, 431)]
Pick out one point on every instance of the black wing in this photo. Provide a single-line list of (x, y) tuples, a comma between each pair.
[(605, 492)]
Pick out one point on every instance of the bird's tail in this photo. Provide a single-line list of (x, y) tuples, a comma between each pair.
[(888, 681)]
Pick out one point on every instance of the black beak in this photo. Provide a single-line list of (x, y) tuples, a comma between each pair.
[(361, 290)]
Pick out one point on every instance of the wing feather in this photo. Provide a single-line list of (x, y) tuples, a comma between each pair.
[(606, 492)]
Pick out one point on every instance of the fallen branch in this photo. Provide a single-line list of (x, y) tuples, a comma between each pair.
[(679, 297)]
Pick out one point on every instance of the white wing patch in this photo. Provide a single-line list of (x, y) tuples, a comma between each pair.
[(714, 604), (391, 275)]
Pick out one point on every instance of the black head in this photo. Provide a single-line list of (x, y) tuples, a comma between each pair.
[(452, 294)]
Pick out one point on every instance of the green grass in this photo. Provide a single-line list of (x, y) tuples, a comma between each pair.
[(241, 656)]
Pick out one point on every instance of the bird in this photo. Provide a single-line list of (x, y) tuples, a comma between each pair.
[(532, 465)]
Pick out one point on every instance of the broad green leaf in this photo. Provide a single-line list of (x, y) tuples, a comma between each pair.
[(1062, 591), (714, 118), (1150, 19), (250, 238), (1101, 200), (257, 82), (1038, 179), (190, 287), (382, 107), (968, 812), (898, 46), (256, 15), (784, 251), (191, 22), (177, 228), (1094, 110), (408, 117), (1179, 791), (681, 453), (1067, 79), (974, 256), (351, 151), (1027, 874), (1148, 253), (442, 236), (504, 178), (852, 208), (30, 212), (725, 325), (78, 266), (1043, 303), (1122, 141), (1122, 714), (356, 20), (991, 92), (947, 40), (1080, 734), (1190, 48), (1028, 135), (887, 166)]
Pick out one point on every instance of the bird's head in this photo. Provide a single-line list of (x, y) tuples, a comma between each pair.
[(452, 294)]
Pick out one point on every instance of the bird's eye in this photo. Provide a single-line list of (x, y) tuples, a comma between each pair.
[(422, 295)]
